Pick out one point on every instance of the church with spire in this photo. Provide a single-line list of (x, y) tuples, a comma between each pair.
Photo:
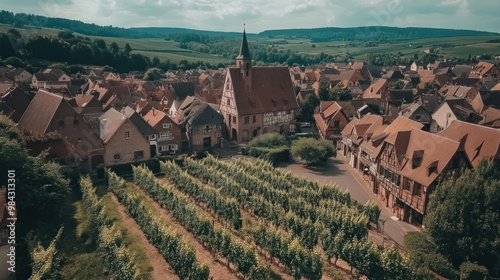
[(257, 100)]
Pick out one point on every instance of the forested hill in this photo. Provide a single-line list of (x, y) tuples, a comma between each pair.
[(91, 29), (315, 34), (168, 31), (369, 32)]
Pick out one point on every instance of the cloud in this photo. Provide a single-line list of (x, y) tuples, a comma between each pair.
[(264, 14)]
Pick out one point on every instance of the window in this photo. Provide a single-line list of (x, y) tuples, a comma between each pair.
[(167, 125), (254, 119), (406, 184), (196, 130), (234, 119), (116, 156), (416, 162), (418, 117), (127, 134), (417, 189), (138, 155), (163, 148), (336, 123), (228, 101), (432, 169), (246, 120), (163, 135), (172, 148), (152, 137), (169, 135)]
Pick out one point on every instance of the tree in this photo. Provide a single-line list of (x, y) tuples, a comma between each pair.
[(323, 92), (395, 266), (313, 151), (114, 48), (340, 94), (41, 190), (127, 49), (432, 85), (153, 74), (463, 217), (306, 111)]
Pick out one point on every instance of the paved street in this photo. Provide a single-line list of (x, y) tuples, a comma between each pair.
[(338, 171)]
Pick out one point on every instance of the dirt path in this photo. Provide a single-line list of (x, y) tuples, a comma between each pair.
[(218, 268), (161, 269)]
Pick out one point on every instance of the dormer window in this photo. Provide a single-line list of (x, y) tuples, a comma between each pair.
[(432, 168), (416, 159)]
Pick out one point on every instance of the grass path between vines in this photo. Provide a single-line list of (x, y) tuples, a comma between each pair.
[(218, 269), (161, 269)]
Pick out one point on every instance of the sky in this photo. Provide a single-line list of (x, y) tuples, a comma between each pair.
[(260, 15)]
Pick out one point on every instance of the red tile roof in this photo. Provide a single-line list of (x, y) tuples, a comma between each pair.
[(436, 151), (378, 90), (271, 90), (477, 141), (482, 68), (40, 112)]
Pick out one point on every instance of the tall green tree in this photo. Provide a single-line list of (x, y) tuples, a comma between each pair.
[(463, 217), (127, 48), (153, 74), (41, 192), (306, 111), (312, 150)]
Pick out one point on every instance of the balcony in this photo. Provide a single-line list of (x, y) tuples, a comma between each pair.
[(414, 201)]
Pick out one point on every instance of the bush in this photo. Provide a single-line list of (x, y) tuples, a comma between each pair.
[(269, 140), (472, 271), (281, 153), (312, 150), (126, 168)]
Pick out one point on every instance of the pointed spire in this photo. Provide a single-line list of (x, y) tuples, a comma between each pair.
[(244, 51)]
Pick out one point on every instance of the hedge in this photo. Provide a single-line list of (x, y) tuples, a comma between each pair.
[(281, 153), (126, 168)]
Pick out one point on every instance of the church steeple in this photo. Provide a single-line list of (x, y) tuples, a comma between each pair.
[(244, 51), (244, 61)]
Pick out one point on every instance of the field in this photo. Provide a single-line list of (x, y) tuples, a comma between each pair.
[(460, 47), (234, 219)]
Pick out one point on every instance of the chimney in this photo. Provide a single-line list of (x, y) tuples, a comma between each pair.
[(154, 111)]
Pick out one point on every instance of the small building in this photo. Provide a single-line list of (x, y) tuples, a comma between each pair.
[(168, 131), (123, 141), (453, 109), (330, 121), (485, 71), (201, 124)]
